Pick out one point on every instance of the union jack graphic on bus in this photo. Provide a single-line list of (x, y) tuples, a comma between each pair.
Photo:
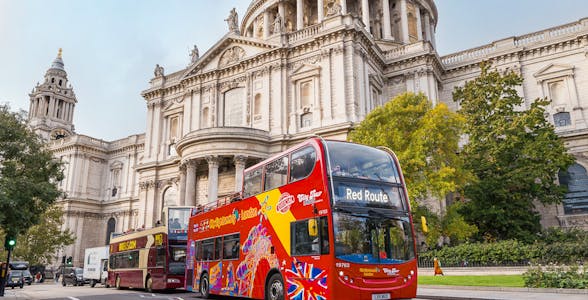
[(306, 282)]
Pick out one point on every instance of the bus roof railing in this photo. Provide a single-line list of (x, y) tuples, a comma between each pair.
[(220, 202)]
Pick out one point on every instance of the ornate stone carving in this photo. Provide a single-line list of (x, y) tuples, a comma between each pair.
[(231, 56)]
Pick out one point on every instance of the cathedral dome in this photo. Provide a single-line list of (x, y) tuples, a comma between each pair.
[(400, 21)]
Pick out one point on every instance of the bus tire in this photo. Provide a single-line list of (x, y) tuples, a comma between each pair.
[(149, 284), (275, 288), (92, 283), (117, 283), (204, 286)]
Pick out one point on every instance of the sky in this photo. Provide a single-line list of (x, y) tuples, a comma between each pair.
[(110, 47)]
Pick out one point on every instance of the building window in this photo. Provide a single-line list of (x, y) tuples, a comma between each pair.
[(562, 119), (233, 107), (306, 93), (576, 199), (558, 93), (173, 128), (115, 172), (170, 197), (205, 122), (257, 107), (306, 120)]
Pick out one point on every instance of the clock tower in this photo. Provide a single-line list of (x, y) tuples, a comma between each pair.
[(52, 103)]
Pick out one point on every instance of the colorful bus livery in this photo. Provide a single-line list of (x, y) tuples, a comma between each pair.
[(322, 220)]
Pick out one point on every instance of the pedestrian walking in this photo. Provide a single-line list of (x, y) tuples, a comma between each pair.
[(437, 267)]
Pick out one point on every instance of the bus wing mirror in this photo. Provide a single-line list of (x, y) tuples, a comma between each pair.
[(424, 224), (312, 228)]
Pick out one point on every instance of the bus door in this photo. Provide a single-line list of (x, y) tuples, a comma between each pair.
[(231, 249), (310, 240)]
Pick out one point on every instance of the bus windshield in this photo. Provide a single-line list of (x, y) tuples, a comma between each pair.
[(372, 239), (358, 161)]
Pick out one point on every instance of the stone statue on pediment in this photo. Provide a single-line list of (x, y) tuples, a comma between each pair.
[(233, 21), (194, 55), (158, 71), (278, 27)]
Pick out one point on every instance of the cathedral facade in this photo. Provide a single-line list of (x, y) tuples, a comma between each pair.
[(291, 69)]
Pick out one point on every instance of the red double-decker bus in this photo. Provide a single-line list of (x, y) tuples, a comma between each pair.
[(153, 259), (322, 220)]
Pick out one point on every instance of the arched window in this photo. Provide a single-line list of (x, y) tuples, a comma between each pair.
[(306, 93), (110, 226), (562, 119), (257, 107), (205, 122), (170, 197), (233, 107), (576, 181)]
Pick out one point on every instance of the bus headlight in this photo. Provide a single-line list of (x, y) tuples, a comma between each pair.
[(173, 280)]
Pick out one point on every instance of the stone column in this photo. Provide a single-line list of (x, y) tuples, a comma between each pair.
[(281, 11), (365, 12), (427, 27), (190, 196), (433, 35), (343, 7), (182, 191), (320, 8), (239, 168), (51, 107), (387, 27), (213, 162), (404, 21), (418, 23), (266, 24), (299, 14)]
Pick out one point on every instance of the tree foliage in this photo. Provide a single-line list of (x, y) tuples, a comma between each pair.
[(28, 174), (40, 243), (425, 139), (513, 152)]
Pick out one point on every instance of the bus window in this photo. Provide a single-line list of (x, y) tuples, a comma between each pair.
[(198, 253), (218, 246), (207, 249), (302, 164), (252, 183), (276, 173), (304, 243), (160, 257), (231, 246)]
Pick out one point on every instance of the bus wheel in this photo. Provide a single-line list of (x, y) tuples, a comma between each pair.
[(275, 288), (204, 287), (149, 285), (117, 283)]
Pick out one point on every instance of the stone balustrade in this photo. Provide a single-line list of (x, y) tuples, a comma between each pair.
[(544, 36), (305, 33)]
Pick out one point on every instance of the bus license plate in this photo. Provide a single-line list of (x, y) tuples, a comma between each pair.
[(380, 296)]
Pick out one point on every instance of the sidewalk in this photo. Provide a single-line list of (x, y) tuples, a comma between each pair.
[(497, 293)]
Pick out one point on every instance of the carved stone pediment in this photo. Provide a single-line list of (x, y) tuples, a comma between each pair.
[(228, 51), (554, 71), (231, 56)]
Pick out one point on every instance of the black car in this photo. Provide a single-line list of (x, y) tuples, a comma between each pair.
[(15, 278), (73, 276), (28, 278)]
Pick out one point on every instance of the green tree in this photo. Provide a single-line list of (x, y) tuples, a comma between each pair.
[(40, 243), (28, 174), (514, 154), (425, 139)]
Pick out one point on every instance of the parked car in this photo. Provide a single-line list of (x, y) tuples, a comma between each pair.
[(28, 278), (73, 276), (15, 279)]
